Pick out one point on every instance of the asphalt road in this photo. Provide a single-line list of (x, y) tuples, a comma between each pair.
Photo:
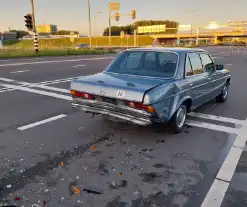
[(53, 155)]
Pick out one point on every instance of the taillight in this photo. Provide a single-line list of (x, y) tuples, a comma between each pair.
[(141, 106), (81, 95)]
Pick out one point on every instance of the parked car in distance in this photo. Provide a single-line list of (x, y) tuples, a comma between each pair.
[(81, 46), (152, 86)]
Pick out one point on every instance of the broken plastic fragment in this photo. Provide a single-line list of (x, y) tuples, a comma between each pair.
[(62, 164), (76, 190), (9, 186), (93, 147)]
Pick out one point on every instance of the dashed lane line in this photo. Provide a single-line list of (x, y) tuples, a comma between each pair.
[(41, 122), (19, 71), (77, 66)]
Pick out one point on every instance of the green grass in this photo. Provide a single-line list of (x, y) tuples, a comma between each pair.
[(65, 42), (29, 53)]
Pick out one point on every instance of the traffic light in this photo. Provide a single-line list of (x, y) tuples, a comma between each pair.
[(29, 22), (117, 16), (133, 14)]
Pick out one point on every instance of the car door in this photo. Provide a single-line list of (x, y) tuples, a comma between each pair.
[(210, 70), (200, 86)]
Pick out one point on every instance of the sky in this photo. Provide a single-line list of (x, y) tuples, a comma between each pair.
[(73, 14)]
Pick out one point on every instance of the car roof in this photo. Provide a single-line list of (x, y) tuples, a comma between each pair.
[(168, 49)]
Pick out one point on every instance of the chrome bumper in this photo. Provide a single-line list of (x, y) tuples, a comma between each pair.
[(122, 112)]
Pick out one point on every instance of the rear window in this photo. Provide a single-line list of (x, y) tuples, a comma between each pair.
[(145, 63)]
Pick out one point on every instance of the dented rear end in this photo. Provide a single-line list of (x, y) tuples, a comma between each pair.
[(120, 97)]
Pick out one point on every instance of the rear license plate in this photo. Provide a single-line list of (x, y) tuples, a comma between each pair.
[(109, 100)]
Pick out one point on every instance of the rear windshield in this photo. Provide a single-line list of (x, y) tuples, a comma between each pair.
[(145, 63)]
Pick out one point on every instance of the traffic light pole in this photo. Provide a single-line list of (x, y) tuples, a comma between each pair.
[(35, 40)]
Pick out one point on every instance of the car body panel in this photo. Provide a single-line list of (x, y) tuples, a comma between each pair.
[(165, 95)]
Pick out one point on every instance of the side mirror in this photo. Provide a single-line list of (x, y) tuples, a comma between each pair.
[(219, 66)]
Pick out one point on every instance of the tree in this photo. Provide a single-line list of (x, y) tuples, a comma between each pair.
[(129, 29)]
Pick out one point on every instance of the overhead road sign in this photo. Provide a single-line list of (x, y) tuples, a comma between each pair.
[(114, 6)]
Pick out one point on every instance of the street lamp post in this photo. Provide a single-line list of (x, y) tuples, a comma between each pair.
[(95, 22), (89, 24)]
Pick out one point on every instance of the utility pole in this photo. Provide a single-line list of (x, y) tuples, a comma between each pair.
[(109, 26), (89, 23), (35, 40)]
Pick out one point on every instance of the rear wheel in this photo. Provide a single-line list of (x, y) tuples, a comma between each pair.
[(178, 120), (223, 96)]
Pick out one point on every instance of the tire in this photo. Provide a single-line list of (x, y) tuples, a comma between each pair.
[(224, 94), (177, 122)]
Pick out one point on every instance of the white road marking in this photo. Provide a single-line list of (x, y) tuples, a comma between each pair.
[(216, 194), (57, 81), (41, 122), (21, 88), (51, 88), (217, 191), (76, 66), (215, 127), (217, 118), (240, 142), (229, 165), (228, 64), (6, 80), (20, 71), (53, 61), (6, 90)]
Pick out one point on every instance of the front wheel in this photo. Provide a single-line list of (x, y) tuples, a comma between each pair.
[(223, 96), (178, 120)]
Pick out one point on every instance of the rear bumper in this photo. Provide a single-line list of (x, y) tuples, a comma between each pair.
[(122, 112)]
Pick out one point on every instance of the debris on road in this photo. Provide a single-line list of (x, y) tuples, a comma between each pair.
[(117, 185), (93, 148), (92, 191), (76, 190)]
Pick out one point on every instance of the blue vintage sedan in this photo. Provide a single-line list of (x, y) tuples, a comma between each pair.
[(152, 86)]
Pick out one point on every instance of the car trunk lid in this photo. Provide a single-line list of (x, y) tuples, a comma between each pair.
[(116, 86)]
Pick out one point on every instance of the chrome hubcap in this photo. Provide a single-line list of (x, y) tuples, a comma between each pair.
[(181, 116), (225, 92)]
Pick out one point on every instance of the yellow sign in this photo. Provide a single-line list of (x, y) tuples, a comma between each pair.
[(114, 6), (152, 29)]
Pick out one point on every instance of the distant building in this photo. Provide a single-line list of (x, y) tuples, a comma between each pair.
[(9, 36), (46, 28)]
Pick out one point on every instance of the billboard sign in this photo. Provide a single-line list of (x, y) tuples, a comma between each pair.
[(184, 27), (151, 29), (237, 24)]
